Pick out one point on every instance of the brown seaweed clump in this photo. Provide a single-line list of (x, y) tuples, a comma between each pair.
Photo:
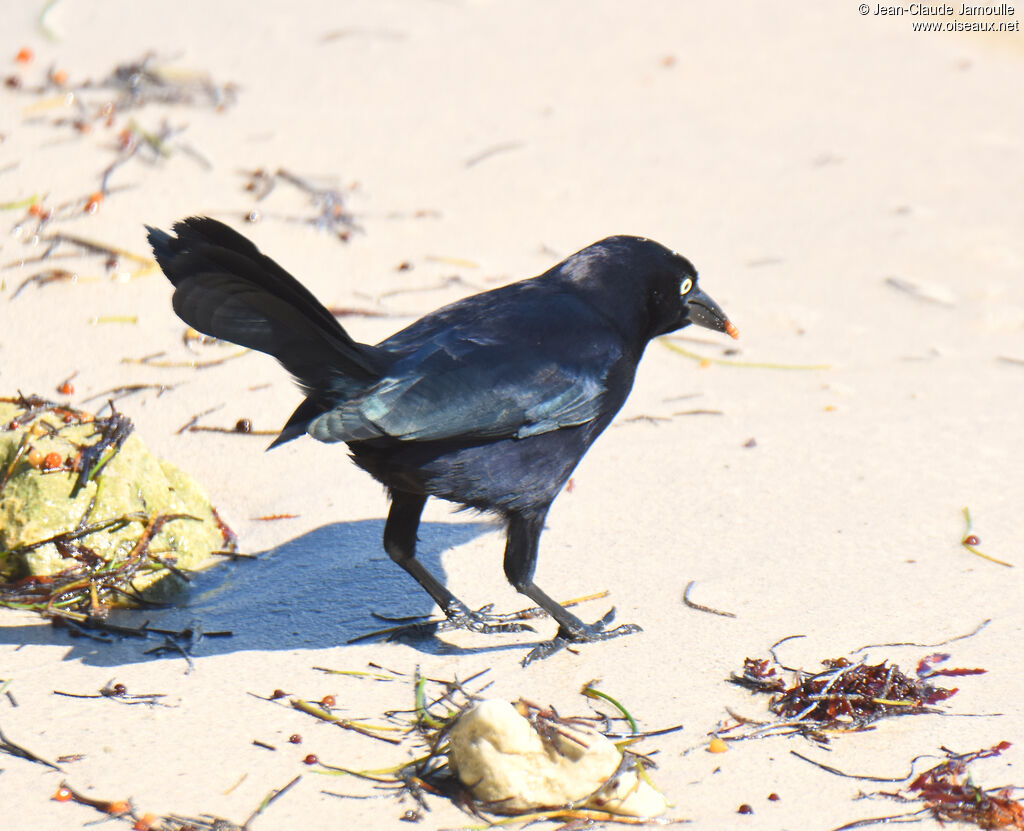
[(847, 695)]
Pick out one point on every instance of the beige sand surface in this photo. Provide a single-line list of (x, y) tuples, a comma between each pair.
[(803, 158)]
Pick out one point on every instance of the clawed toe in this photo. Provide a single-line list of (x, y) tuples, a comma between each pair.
[(484, 622), (481, 621), (588, 633), (457, 617)]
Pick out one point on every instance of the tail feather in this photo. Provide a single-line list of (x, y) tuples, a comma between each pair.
[(224, 287)]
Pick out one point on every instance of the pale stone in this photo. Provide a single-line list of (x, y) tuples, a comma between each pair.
[(510, 767)]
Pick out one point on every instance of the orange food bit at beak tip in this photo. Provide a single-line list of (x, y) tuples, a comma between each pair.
[(731, 330), (93, 203)]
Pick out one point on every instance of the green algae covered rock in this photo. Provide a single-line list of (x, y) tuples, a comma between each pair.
[(84, 503)]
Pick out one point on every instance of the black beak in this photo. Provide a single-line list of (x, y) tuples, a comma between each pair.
[(704, 311)]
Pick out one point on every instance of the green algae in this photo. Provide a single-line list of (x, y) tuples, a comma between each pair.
[(131, 515)]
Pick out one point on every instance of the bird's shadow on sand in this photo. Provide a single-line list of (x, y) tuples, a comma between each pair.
[(315, 591)]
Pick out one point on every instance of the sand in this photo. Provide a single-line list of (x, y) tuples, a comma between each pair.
[(850, 190)]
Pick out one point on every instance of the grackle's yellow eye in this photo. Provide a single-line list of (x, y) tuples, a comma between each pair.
[(687, 285)]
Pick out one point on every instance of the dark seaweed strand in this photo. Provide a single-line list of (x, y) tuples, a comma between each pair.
[(113, 431), (112, 524), (127, 569), (33, 405), (21, 451), (74, 585)]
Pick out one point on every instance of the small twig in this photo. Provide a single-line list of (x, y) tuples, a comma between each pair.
[(493, 150), (117, 393), (897, 819), (953, 639), (152, 360), (778, 643), (195, 419), (7, 746), (698, 606), (837, 772), (317, 711)]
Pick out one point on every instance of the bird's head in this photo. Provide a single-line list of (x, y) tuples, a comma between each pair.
[(638, 277)]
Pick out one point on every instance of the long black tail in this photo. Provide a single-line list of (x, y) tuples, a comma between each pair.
[(224, 287)]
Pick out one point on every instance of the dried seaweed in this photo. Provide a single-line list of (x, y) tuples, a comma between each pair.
[(112, 430), (241, 427), (33, 406), (945, 642), (97, 108), (950, 796), (318, 710), (120, 694), (423, 730), (64, 246), (86, 626), (124, 809), (44, 278), (947, 793), (123, 391), (330, 212), (87, 585), (131, 86), (12, 749), (846, 696), (156, 359)]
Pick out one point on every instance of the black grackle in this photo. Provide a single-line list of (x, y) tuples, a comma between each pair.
[(489, 402)]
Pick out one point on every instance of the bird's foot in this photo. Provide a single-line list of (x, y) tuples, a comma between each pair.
[(457, 616), (480, 620), (586, 633)]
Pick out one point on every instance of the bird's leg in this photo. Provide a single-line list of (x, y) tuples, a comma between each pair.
[(520, 564), (400, 544)]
